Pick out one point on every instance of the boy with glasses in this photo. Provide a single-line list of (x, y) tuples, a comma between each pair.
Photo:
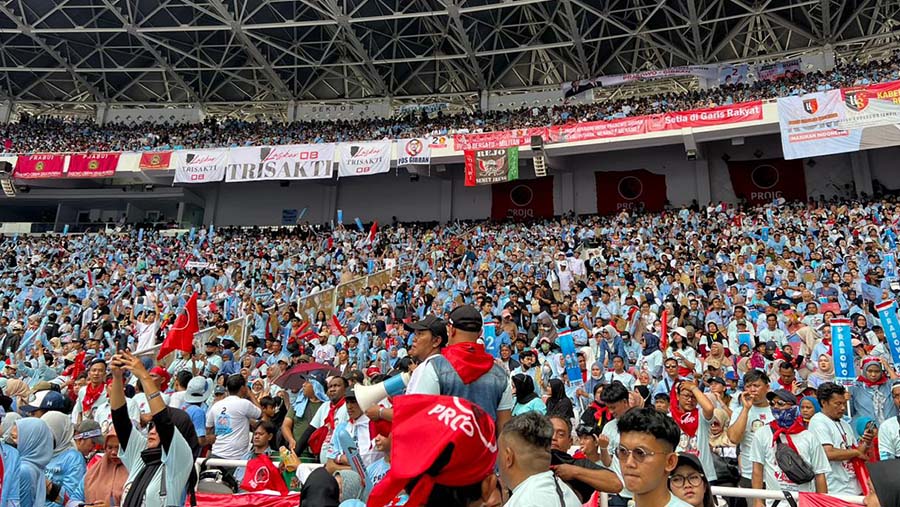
[(646, 452), (787, 428)]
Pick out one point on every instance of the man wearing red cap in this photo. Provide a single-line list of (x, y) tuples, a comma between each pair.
[(465, 370), (443, 453)]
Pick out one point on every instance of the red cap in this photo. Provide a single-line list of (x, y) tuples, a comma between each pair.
[(424, 425), (161, 372)]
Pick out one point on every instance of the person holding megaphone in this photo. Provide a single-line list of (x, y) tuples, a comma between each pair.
[(429, 336)]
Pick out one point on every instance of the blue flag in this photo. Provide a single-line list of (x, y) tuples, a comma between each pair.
[(191, 234), (65, 229), (340, 216), (359, 224), (842, 350), (140, 235), (567, 346), (887, 313)]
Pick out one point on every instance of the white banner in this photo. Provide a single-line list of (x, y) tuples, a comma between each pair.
[(200, 166), (291, 162), (363, 159), (414, 151)]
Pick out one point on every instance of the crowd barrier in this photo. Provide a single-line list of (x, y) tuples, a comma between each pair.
[(305, 469)]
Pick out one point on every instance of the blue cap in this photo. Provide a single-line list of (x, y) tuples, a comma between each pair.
[(44, 400)]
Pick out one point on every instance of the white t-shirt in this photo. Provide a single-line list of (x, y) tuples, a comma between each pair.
[(417, 374), (674, 501), (841, 478), (757, 418), (78, 409), (698, 445), (230, 419), (539, 489), (611, 430), (889, 439), (762, 450), (340, 416), (146, 334), (176, 399)]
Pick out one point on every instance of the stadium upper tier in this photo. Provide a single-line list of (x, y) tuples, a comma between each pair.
[(61, 135)]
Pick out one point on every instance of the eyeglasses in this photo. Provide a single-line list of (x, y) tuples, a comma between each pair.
[(671, 366), (679, 480), (639, 454)]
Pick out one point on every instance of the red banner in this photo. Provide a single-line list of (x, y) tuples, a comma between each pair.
[(585, 131), (763, 181), (497, 140), (155, 160), (638, 190), (39, 166), (523, 199), (245, 500), (92, 165)]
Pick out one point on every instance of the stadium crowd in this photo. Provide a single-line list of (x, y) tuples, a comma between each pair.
[(48, 135), (702, 337)]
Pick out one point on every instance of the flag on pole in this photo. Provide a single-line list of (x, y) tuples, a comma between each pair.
[(372, 231), (181, 334), (359, 224), (663, 330)]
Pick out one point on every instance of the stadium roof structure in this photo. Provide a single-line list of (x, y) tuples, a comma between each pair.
[(249, 53)]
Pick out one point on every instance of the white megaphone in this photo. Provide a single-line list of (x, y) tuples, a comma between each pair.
[(369, 396)]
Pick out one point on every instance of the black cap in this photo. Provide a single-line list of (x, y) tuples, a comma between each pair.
[(718, 380), (466, 318), (350, 395), (430, 323), (686, 459), (782, 394)]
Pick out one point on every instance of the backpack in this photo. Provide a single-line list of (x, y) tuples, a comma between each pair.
[(791, 463)]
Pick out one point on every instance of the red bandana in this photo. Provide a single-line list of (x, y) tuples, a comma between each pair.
[(868, 383), (91, 395), (795, 428), (687, 421), (469, 360), (332, 409)]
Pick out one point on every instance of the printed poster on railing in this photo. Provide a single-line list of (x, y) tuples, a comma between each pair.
[(291, 162), (840, 121), (415, 151), (200, 166), (364, 159)]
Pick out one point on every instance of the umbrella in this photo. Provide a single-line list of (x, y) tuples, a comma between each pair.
[(294, 378)]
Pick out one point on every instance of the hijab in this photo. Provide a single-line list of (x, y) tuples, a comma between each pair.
[(651, 343), (6, 426), (105, 478), (16, 389), (592, 381), (720, 440), (524, 388), (824, 374), (320, 490), (62, 429), (558, 403), (35, 452)]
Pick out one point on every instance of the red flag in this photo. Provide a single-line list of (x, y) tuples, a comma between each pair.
[(337, 325), (372, 231), (819, 500), (155, 160), (90, 278), (663, 330), (92, 165), (181, 335), (261, 474)]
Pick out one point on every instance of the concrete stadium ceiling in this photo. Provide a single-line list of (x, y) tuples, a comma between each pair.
[(250, 53)]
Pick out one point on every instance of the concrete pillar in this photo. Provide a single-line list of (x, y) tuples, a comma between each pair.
[(292, 111), (701, 172), (862, 172), (566, 184), (179, 213), (6, 111), (102, 112), (211, 205), (446, 201), (485, 101)]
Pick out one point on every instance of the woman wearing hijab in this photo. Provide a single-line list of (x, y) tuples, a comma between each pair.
[(17, 390), (35, 443), (163, 452), (526, 399), (559, 404), (809, 406), (106, 475), (651, 359), (824, 372), (66, 469), (11, 461)]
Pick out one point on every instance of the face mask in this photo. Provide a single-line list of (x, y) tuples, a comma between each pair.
[(786, 417), (545, 347)]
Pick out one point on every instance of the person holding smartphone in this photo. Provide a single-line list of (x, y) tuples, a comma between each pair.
[(164, 454)]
